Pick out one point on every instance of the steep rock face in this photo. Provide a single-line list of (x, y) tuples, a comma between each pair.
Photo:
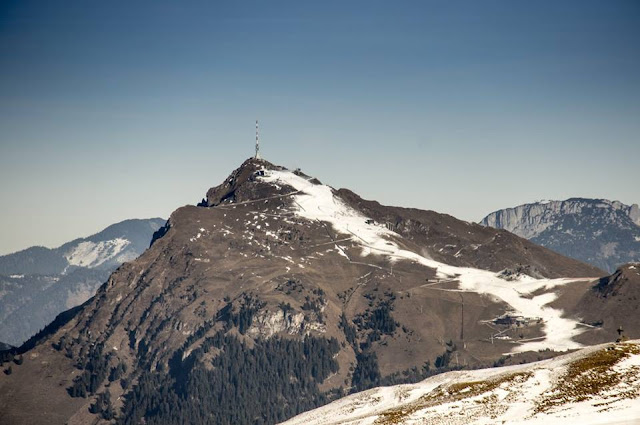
[(38, 283), (277, 295), (597, 231)]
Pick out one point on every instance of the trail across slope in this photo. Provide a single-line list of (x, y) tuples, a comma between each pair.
[(318, 202)]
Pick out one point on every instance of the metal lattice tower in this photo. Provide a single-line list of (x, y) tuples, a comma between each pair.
[(257, 143)]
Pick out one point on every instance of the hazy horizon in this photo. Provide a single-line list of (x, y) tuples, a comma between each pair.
[(117, 111)]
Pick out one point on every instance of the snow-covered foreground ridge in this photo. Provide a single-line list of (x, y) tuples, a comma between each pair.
[(595, 385), (318, 202)]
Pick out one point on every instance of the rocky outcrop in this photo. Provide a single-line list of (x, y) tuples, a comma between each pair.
[(267, 324), (235, 188)]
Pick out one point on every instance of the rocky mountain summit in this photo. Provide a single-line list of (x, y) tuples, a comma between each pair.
[(597, 231), (278, 294), (38, 283)]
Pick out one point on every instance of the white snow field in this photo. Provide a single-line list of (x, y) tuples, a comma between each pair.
[(318, 202), (594, 386), (91, 254)]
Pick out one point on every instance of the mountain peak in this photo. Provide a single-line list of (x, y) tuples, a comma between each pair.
[(242, 184), (277, 269)]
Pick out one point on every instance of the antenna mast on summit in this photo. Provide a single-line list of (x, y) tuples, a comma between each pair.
[(257, 143)]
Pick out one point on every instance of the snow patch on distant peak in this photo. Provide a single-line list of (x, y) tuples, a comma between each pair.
[(92, 254), (317, 202)]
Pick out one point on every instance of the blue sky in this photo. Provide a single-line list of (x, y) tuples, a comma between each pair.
[(115, 110)]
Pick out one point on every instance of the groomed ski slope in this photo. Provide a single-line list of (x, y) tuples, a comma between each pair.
[(318, 202), (594, 386)]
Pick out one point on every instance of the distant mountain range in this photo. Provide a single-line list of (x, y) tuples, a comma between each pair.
[(603, 233), (38, 283), (111, 247)]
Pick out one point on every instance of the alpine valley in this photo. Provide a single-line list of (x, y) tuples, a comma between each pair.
[(278, 294)]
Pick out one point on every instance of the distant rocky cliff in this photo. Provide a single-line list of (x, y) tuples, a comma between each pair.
[(597, 231)]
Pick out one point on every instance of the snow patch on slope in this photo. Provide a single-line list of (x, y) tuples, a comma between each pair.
[(317, 202), (91, 254)]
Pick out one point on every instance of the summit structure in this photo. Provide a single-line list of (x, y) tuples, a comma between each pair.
[(257, 155)]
